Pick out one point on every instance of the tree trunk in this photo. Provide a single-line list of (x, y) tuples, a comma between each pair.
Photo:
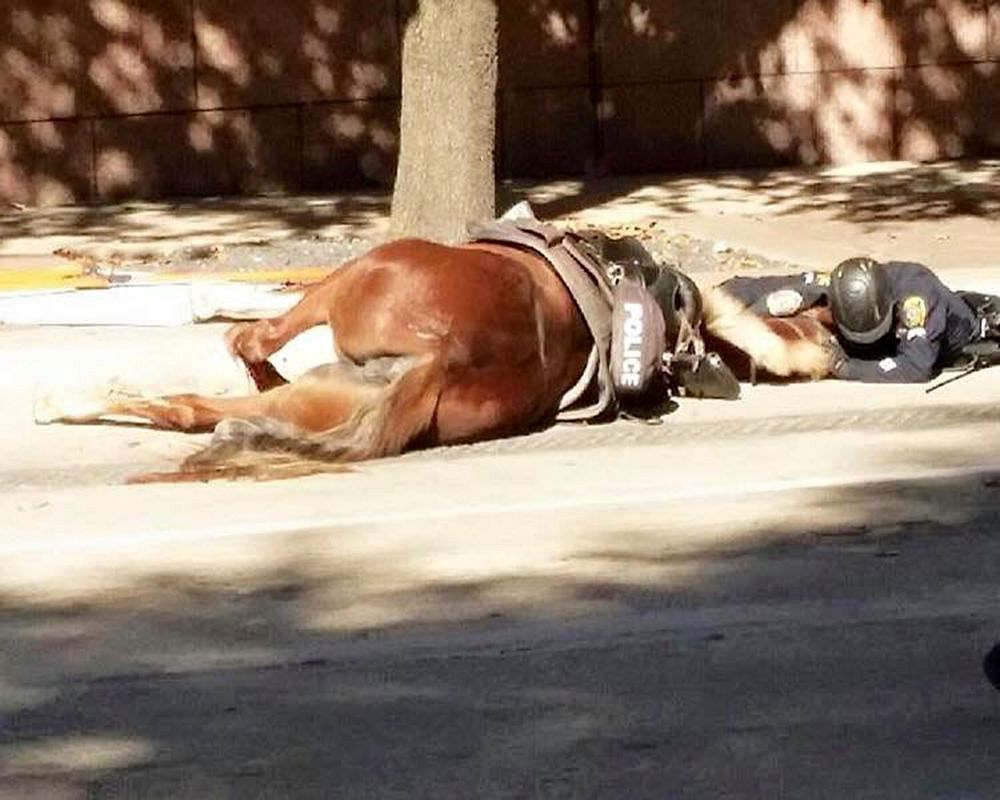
[(445, 177)]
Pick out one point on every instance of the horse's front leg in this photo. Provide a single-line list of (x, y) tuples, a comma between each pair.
[(254, 342)]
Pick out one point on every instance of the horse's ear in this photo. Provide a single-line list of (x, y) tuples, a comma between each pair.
[(521, 210)]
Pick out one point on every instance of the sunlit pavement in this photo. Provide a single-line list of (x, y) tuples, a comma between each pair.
[(788, 595)]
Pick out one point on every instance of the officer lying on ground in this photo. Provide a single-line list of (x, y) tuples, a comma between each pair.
[(896, 322)]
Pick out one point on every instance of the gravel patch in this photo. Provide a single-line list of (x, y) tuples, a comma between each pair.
[(695, 256)]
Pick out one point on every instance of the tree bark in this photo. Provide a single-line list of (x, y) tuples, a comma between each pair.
[(445, 177)]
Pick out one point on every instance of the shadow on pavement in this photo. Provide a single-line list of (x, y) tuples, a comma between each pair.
[(893, 192), (151, 229), (834, 659)]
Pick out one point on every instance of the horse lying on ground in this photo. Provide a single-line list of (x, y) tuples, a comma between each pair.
[(438, 345)]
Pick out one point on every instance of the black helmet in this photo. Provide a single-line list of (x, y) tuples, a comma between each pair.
[(676, 294), (680, 301), (860, 300)]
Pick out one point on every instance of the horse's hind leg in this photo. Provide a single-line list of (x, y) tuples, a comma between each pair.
[(320, 399), (318, 421), (392, 403)]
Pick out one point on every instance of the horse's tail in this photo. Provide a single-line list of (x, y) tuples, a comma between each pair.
[(381, 424), (784, 348)]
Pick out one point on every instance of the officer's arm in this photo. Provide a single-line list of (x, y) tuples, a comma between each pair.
[(789, 300), (759, 306), (913, 363)]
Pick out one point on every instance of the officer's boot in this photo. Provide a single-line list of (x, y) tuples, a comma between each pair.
[(987, 310)]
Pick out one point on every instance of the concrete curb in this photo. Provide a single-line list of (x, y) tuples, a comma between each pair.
[(633, 434)]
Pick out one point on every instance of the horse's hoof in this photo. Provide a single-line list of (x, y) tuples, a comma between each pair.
[(251, 341), (66, 405), (991, 666), (46, 410)]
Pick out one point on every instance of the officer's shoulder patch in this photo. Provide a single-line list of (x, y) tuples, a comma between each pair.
[(784, 303), (817, 278), (914, 311)]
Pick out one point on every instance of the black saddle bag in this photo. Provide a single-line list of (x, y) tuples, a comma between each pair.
[(638, 338)]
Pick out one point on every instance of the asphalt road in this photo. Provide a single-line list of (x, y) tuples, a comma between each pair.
[(736, 604), (831, 664)]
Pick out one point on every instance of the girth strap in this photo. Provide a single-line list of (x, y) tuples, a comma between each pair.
[(590, 289)]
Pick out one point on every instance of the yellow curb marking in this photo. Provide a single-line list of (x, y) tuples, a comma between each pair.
[(22, 280), (295, 275)]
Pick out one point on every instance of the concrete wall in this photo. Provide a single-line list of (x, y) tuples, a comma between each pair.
[(111, 99)]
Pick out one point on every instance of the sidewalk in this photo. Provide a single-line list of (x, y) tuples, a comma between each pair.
[(807, 217), (944, 215), (810, 218), (714, 475)]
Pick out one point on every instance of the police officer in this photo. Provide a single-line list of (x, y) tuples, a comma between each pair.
[(896, 321)]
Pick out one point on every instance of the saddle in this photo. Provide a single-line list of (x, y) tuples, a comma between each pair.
[(633, 308), (591, 289)]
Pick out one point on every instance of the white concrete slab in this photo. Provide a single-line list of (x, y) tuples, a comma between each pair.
[(146, 305)]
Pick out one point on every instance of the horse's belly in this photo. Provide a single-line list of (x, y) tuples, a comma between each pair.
[(498, 401)]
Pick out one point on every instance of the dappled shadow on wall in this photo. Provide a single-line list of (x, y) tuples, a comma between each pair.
[(101, 100), (105, 99), (685, 87), (843, 80)]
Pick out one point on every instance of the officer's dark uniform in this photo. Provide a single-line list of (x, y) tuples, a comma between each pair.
[(932, 323), (779, 295)]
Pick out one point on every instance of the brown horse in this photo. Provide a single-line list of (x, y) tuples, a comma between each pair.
[(437, 345)]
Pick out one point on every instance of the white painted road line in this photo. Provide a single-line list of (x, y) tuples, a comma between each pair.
[(607, 500)]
